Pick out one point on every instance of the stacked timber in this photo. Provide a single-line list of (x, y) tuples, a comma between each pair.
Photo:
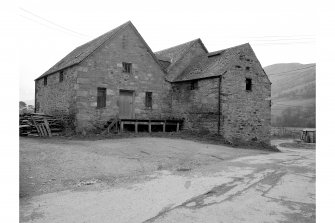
[(39, 124)]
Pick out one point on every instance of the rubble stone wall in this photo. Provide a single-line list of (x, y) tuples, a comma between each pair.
[(57, 98), (246, 115), (104, 69), (198, 107)]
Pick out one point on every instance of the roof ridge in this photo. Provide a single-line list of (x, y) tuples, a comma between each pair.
[(199, 67), (229, 48), (186, 51), (148, 47), (157, 52), (118, 29), (178, 52)]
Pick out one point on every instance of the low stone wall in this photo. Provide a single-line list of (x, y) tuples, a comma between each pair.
[(291, 132)]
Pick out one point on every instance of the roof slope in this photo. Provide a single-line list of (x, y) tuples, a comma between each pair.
[(83, 51), (210, 65), (174, 54)]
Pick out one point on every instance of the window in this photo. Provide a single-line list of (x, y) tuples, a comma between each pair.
[(126, 67), (101, 98), (148, 99), (61, 76), (248, 84), (45, 81), (194, 85)]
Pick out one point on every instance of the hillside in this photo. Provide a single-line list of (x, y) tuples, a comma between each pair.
[(30, 102), (293, 94)]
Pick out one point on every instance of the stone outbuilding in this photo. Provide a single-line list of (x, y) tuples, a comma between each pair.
[(225, 92)]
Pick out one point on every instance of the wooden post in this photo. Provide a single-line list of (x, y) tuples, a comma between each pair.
[(164, 124), (149, 126), (36, 126), (44, 130), (47, 126), (177, 126), (38, 130), (136, 127), (121, 126)]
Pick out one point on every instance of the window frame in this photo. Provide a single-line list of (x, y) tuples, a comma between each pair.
[(127, 67), (101, 97), (248, 84), (148, 99), (194, 85), (61, 76), (45, 81)]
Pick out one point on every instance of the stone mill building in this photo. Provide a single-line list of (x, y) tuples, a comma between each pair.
[(117, 75)]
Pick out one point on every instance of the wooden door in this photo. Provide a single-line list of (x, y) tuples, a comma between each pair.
[(126, 104)]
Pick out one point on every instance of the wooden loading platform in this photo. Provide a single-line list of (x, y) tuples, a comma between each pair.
[(150, 123)]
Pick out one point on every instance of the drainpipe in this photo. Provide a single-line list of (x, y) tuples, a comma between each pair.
[(219, 105)]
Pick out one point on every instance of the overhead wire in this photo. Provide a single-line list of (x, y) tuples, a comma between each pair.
[(278, 40), (50, 27), (50, 22), (283, 43)]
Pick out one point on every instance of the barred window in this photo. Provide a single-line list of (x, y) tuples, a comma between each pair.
[(101, 98)]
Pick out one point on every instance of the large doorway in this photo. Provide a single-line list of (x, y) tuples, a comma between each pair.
[(126, 104)]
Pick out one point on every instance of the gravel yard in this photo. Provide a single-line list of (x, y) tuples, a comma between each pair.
[(57, 164)]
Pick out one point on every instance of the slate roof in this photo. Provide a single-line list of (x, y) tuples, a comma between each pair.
[(173, 54), (83, 51), (203, 66), (164, 63), (210, 65)]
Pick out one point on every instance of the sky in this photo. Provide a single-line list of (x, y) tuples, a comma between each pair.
[(279, 31)]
